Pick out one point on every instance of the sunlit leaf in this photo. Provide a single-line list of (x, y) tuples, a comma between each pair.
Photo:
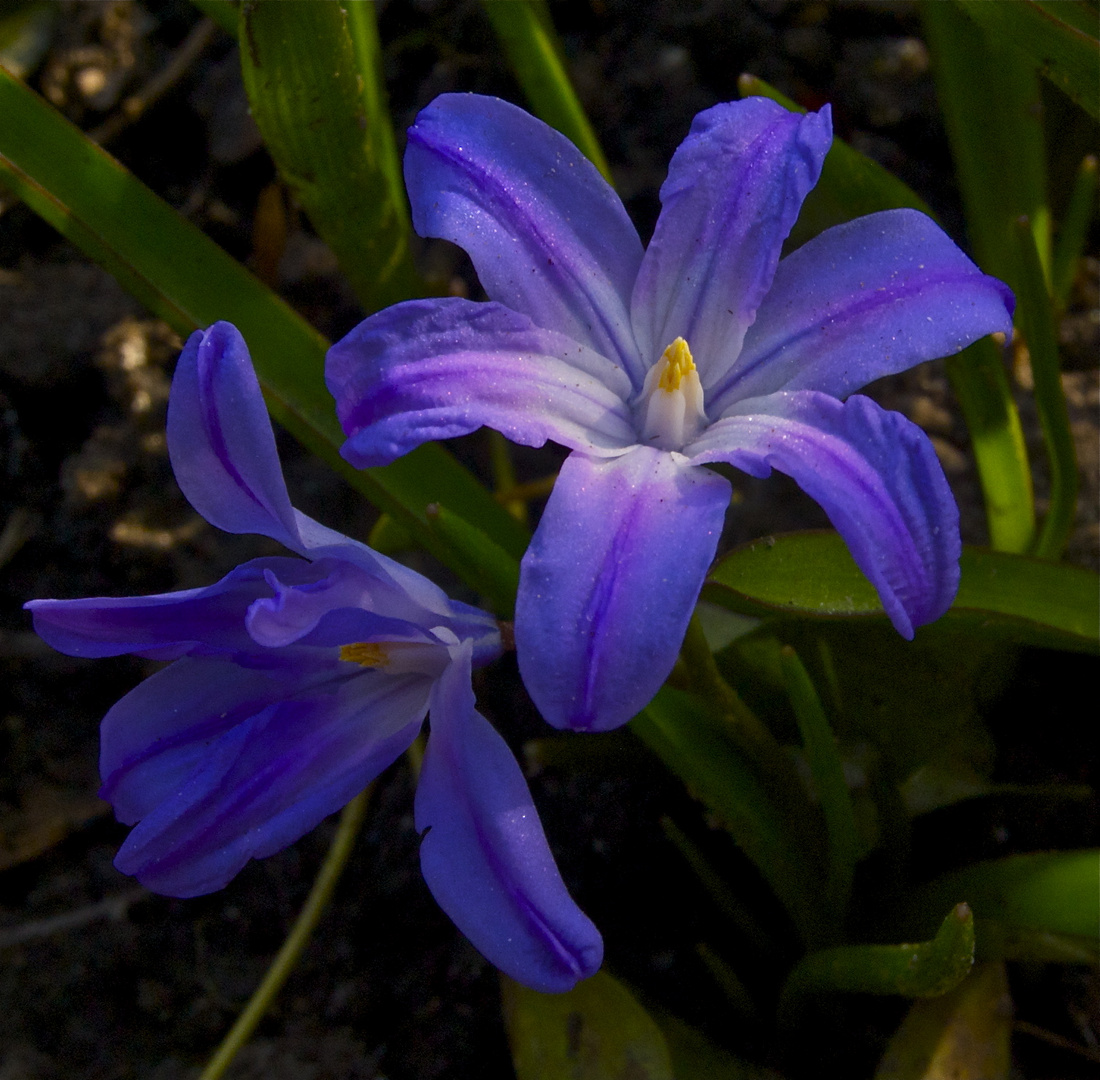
[(927, 969), (963, 1035), (1036, 320), (317, 95), (1061, 37), (527, 33), (596, 1031), (1001, 596), (186, 279), (991, 102)]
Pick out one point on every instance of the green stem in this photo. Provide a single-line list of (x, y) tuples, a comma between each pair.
[(287, 958)]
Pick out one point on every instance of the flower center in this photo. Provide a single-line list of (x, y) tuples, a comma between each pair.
[(366, 653), (670, 406), (398, 657)]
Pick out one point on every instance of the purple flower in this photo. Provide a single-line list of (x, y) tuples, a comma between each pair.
[(294, 682), (648, 364)]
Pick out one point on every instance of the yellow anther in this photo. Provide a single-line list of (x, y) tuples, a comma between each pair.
[(367, 653), (675, 364)]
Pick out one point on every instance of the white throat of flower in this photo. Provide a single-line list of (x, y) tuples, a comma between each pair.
[(670, 406)]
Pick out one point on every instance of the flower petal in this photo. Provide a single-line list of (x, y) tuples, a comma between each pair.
[(734, 189), (873, 472), (546, 233), (269, 779), (220, 439), (609, 582), (485, 856), (166, 624), (864, 299), (160, 733), (434, 369)]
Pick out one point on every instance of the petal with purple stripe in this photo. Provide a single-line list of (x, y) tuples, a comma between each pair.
[(610, 580), (484, 854), (546, 233), (220, 439), (873, 472), (864, 299), (269, 779), (434, 369), (734, 188), (166, 624)]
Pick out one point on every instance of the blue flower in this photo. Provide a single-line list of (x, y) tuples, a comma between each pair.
[(294, 682), (649, 364)]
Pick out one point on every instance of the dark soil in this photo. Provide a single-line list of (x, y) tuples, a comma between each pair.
[(139, 986)]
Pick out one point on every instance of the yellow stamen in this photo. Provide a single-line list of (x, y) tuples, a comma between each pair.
[(367, 653), (677, 363)]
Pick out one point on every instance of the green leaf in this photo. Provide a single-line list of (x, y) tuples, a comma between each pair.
[(827, 771), (1073, 232), (186, 279), (223, 12), (312, 73), (484, 564), (1055, 891), (851, 183), (966, 1032), (977, 376), (990, 96), (1036, 320), (927, 969), (695, 743), (596, 1031), (1060, 37), (992, 108), (527, 33), (1008, 597)]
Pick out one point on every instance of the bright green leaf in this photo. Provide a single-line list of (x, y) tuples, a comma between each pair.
[(316, 94), (596, 1031), (927, 969), (1009, 597), (185, 278), (1061, 37)]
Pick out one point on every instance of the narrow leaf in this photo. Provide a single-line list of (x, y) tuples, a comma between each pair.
[(927, 969), (484, 564), (1036, 320), (1060, 37), (527, 33), (694, 743), (1011, 597), (827, 771), (319, 103), (1074, 230), (596, 1031), (186, 279), (977, 376)]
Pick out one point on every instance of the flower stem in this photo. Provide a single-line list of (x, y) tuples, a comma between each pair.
[(342, 843)]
